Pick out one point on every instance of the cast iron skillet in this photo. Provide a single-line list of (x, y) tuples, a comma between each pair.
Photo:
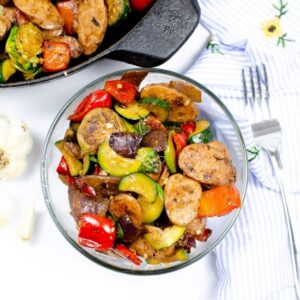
[(147, 41)]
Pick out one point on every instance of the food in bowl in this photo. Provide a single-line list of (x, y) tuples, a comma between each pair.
[(46, 36), (143, 171)]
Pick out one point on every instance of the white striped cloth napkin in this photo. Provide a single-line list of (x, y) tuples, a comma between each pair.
[(253, 261)]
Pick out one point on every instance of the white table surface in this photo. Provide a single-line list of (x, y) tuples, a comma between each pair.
[(48, 267)]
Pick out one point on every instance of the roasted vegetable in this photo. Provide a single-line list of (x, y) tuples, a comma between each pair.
[(117, 11), (158, 107), (125, 204), (149, 159), (125, 144), (124, 251), (140, 5), (156, 139), (132, 111), (94, 100), (96, 127), (188, 89), (68, 11), (164, 238), (124, 92), (115, 164), (135, 77), (170, 154), (219, 201), (202, 133), (179, 255), (56, 56), (7, 69), (24, 46), (152, 211), (140, 184), (96, 232), (75, 165)]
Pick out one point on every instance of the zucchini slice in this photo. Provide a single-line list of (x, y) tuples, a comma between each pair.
[(86, 165), (115, 164), (141, 184), (129, 127), (117, 11), (152, 211), (164, 238), (170, 154), (202, 134), (133, 111), (75, 165), (7, 69), (160, 108)]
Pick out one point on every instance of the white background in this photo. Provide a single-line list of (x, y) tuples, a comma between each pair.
[(48, 267)]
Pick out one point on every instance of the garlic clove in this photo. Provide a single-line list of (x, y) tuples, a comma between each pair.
[(5, 206), (27, 221)]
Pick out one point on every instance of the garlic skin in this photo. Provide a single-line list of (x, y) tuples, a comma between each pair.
[(15, 144), (5, 206)]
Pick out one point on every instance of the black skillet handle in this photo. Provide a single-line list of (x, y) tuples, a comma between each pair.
[(165, 28)]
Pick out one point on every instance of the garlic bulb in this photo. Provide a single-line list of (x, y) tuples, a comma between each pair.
[(15, 144)]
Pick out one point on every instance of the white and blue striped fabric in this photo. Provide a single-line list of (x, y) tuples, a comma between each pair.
[(253, 261)]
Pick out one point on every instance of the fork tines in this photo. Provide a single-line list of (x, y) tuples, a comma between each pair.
[(256, 88)]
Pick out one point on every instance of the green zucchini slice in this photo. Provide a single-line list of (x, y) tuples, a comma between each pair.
[(133, 111), (160, 108), (115, 164), (141, 184), (170, 154), (117, 11), (202, 134)]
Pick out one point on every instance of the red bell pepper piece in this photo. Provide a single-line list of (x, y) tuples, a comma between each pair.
[(97, 169), (140, 5), (20, 17), (96, 232), (180, 141), (203, 237), (219, 201), (123, 91), (56, 56), (128, 253), (63, 168), (97, 99), (67, 11), (188, 128)]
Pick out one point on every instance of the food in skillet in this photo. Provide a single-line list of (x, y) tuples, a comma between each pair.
[(45, 36), (144, 171)]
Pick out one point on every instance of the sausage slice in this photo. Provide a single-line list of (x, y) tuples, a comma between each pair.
[(182, 199), (42, 13), (208, 163), (92, 24), (182, 109)]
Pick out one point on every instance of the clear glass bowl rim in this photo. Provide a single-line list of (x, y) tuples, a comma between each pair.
[(44, 180)]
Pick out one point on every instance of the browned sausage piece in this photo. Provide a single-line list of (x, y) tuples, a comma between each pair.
[(80, 203), (75, 47), (182, 109), (42, 13), (156, 139), (182, 198), (196, 227), (125, 144), (143, 248), (125, 204), (92, 24), (208, 163)]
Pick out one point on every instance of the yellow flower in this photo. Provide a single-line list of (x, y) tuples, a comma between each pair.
[(272, 28)]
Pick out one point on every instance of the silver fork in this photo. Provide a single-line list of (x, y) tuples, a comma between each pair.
[(268, 134)]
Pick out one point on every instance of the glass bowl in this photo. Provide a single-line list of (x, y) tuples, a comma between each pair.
[(55, 192)]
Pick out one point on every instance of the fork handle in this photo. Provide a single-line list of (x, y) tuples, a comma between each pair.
[(277, 166)]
